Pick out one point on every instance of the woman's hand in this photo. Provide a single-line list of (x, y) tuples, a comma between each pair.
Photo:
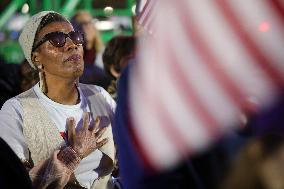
[(87, 139), (50, 173)]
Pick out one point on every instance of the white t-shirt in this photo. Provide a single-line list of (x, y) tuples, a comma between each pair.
[(11, 128)]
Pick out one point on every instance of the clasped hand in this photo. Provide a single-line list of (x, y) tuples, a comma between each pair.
[(87, 139)]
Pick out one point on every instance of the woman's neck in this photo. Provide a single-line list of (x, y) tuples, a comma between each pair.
[(64, 93)]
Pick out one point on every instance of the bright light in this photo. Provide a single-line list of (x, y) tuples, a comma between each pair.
[(105, 25), (263, 26), (17, 22), (25, 8), (108, 10), (133, 9)]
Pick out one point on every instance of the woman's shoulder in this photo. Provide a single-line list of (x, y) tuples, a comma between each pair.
[(11, 115), (13, 105), (89, 89), (93, 88)]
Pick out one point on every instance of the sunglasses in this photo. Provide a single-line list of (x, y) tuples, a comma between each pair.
[(58, 39)]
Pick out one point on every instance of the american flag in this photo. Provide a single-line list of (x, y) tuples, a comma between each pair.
[(145, 14), (207, 64)]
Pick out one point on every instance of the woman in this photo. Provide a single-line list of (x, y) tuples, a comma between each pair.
[(60, 128)]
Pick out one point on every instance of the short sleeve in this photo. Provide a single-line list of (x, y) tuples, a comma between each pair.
[(12, 129), (108, 99)]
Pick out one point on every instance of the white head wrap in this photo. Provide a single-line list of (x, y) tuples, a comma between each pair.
[(27, 36)]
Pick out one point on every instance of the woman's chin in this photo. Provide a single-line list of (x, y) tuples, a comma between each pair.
[(77, 69), (78, 72)]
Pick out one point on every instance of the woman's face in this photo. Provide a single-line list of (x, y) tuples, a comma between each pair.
[(59, 62), (89, 29)]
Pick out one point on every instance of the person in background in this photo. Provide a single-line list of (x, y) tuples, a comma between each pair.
[(93, 48), (60, 129), (12, 173), (259, 165), (15, 78), (93, 43), (118, 52), (9, 81)]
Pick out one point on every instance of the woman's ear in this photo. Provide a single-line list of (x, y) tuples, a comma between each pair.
[(35, 58)]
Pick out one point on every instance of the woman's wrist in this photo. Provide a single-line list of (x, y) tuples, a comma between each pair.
[(69, 157), (79, 151)]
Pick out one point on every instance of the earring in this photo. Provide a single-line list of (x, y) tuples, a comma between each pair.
[(42, 83)]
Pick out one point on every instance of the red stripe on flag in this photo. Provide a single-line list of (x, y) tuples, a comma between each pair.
[(248, 43), (208, 57), (278, 8), (167, 124), (147, 16), (174, 134), (189, 95), (137, 144), (144, 10)]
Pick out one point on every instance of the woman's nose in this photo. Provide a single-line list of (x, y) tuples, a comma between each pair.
[(70, 44)]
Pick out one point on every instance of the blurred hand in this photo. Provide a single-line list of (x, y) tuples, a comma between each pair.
[(87, 139), (50, 173)]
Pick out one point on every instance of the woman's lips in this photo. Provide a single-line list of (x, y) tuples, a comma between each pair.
[(74, 58)]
